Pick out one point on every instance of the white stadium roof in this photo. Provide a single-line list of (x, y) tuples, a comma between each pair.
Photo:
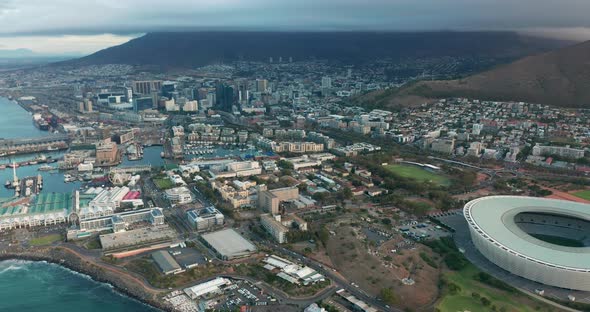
[(493, 217)]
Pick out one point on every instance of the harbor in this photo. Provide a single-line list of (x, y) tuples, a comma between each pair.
[(40, 159)]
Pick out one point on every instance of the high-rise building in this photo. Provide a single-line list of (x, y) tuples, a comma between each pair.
[(168, 88), (261, 85), (142, 103), (128, 95), (243, 93), (326, 82), (225, 97), (154, 95), (146, 87)]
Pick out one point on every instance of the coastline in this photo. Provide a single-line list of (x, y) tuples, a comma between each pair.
[(65, 259)]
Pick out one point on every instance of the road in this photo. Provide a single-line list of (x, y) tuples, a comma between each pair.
[(330, 273)]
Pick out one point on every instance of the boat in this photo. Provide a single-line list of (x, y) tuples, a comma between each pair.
[(51, 148), (45, 168), (68, 178), (42, 124), (41, 159)]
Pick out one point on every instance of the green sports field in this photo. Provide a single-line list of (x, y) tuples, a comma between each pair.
[(583, 194), (464, 300), (417, 173), (45, 240)]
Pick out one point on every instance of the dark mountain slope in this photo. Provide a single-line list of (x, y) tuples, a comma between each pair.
[(186, 49), (559, 78)]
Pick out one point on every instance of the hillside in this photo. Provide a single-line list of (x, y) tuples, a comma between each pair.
[(189, 49), (559, 78)]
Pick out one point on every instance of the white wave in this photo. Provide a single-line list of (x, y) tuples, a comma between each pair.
[(12, 268)]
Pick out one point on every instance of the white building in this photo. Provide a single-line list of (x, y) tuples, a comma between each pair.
[(179, 195)]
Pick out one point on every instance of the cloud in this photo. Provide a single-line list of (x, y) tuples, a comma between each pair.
[(28, 17), (66, 44), (45, 18)]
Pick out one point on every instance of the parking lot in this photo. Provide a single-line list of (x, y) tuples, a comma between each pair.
[(375, 235), (242, 293), (422, 230), (187, 257)]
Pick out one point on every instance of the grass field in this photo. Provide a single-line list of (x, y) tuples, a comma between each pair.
[(164, 183), (583, 194), (417, 173), (464, 300), (45, 240)]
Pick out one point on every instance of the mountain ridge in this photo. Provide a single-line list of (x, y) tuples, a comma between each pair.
[(190, 49)]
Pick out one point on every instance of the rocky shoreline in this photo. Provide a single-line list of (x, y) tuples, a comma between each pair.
[(70, 261)]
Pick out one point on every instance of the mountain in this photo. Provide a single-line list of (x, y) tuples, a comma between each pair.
[(559, 78), (25, 58), (17, 53), (189, 49)]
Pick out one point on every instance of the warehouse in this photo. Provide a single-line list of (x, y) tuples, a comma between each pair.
[(544, 240), (166, 263), (228, 244)]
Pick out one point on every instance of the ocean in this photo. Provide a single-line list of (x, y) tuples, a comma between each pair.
[(27, 286)]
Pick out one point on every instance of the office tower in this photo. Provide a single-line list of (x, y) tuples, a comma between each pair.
[(128, 95), (146, 87), (261, 85), (243, 93), (225, 97), (326, 82), (142, 103), (168, 87), (88, 105), (154, 99)]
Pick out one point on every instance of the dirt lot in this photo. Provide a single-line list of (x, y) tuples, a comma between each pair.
[(375, 268), (472, 195)]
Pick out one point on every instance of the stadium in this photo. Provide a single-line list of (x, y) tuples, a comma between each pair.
[(544, 240)]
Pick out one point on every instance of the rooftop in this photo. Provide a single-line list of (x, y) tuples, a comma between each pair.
[(229, 243)]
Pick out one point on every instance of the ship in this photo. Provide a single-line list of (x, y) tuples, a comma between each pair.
[(45, 168), (42, 124)]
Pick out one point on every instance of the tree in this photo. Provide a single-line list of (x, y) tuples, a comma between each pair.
[(320, 196), (387, 295), (284, 164)]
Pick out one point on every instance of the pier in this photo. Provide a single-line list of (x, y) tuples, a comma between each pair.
[(132, 169), (33, 145), (36, 161)]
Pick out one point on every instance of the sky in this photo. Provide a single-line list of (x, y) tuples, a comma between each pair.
[(85, 26)]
